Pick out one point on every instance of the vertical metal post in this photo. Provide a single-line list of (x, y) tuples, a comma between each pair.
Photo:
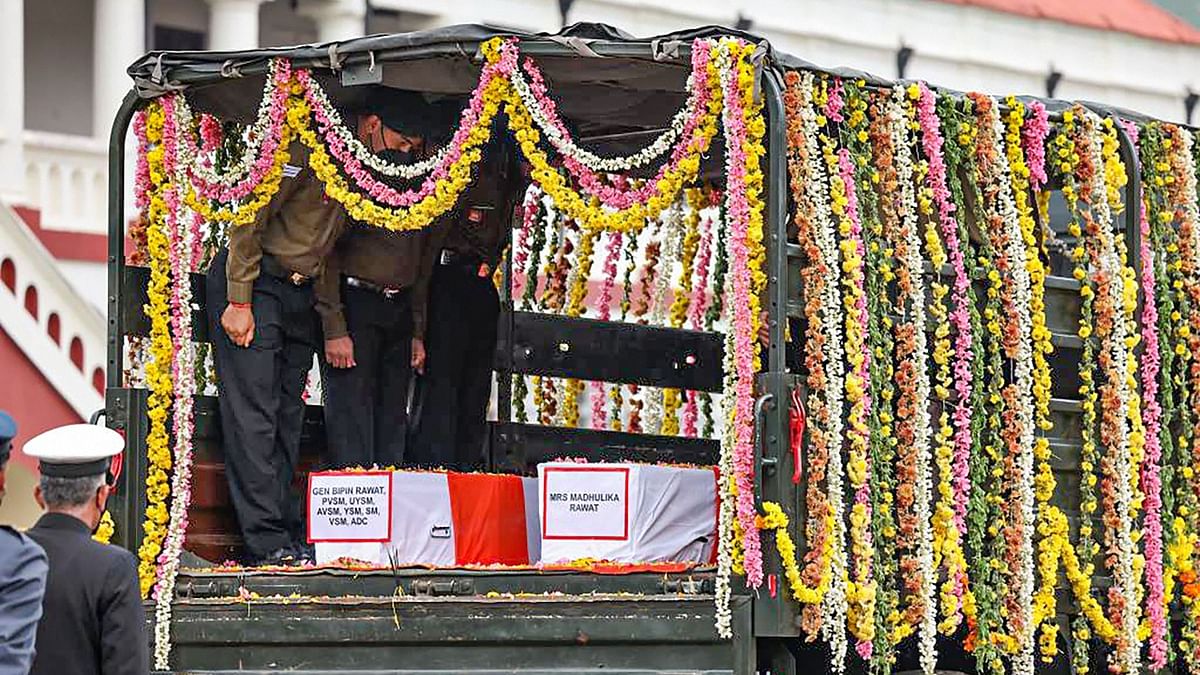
[(776, 222), (116, 235)]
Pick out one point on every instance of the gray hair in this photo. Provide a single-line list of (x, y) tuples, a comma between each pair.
[(59, 493)]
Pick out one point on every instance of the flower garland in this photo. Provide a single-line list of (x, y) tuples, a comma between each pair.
[(671, 233), (1156, 597), (698, 306), (577, 285), (184, 238), (1015, 141), (953, 503), (860, 589), (678, 313), (914, 424), (612, 254), (158, 369), (1009, 244), (823, 360), (715, 309), (744, 131)]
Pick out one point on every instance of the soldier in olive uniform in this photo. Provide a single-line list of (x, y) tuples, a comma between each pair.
[(372, 300), (265, 331), (93, 621), (22, 579), (464, 309)]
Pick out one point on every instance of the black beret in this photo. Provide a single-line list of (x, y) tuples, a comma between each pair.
[(401, 110)]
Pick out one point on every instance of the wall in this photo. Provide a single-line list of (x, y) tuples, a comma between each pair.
[(36, 407), (58, 66)]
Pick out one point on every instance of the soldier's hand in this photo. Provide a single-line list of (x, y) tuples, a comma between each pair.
[(418, 355), (238, 322), (339, 352)]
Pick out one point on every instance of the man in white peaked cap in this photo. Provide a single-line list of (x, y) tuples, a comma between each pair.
[(93, 622)]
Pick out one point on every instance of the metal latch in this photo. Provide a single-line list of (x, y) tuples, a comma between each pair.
[(434, 588)]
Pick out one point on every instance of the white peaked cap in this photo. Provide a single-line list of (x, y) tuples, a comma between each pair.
[(75, 450)]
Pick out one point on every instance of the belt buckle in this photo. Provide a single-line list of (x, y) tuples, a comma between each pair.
[(446, 257), (298, 279)]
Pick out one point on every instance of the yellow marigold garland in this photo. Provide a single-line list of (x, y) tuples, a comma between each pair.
[(158, 368), (576, 295)]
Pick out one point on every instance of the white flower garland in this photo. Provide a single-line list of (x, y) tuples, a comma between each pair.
[(1023, 662), (566, 145), (255, 136), (671, 237), (182, 411), (915, 313), (1125, 577), (726, 514), (362, 152), (834, 608)]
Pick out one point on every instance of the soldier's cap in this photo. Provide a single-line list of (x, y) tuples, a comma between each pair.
[(401, 110), (75, 450), (8, 431)]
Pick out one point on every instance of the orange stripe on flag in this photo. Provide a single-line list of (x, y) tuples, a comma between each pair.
[(489, 519)]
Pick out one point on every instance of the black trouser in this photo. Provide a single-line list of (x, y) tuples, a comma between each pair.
[(366, 407), (460, 343), (261, 389)]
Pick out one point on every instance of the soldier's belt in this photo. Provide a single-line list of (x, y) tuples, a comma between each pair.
[(389, 292), (272, 267)]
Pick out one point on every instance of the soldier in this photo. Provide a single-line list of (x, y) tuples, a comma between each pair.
[(22, 579), (464, 309), (93, 609), (372, 303), (265, 331)]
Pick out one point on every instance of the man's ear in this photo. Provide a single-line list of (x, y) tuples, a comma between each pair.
[(102, 494), (37, 497)]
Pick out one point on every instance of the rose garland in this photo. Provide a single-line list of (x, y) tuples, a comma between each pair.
[(158, 369)]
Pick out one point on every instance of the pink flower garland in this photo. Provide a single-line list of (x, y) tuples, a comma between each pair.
[(529, 209), (141, 174), (266, 155), (738, 213), (590, 181), (1033, 136), (1151, 415), (612, 256), (696, 312), (862, 495), (380, 191), (210, 133), (931, 141)]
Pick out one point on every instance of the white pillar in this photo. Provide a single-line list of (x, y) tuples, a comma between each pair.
[(12, 104), (119, 39), (336, 19), (233, 24)]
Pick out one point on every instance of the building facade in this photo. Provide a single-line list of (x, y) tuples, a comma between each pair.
[(62, 73)]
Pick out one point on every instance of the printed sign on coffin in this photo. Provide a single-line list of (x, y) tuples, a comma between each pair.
[(626, 512), (452, 519)]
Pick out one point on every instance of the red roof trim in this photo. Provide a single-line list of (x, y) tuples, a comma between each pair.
[(1135, 17), (82, 246)]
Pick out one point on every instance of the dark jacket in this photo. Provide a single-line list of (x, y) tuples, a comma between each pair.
[(93, 621), (22, 583)]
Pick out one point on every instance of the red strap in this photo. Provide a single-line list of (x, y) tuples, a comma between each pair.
[(796, 422)]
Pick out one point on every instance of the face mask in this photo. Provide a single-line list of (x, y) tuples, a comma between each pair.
[(396, 156)]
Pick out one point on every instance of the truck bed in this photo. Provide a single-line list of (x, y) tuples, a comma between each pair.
[(437, 621)]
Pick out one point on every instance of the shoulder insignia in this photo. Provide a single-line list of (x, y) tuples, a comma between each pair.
[(290, 171)]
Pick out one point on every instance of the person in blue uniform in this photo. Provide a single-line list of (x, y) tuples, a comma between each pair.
[(92, 613), (22, 579)]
